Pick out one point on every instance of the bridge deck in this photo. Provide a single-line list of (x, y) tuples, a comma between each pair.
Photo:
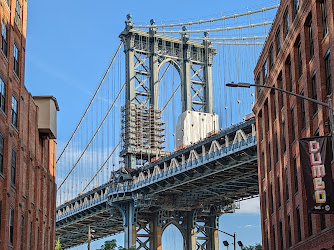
[(214, 171)]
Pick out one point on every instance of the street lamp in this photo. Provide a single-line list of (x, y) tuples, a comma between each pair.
[(327, 105), (224, 242)]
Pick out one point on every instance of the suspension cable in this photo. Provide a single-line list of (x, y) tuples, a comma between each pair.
[(170, 98), (90, 103), (216, 30), (209, 20), (105, 162), (237, 43), (230, 39), (97, 130)]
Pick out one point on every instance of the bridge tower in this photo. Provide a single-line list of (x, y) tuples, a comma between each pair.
[(146, 53)]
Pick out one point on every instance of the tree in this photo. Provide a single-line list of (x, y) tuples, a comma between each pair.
[(257, 246), (58, 246), (109, 245)]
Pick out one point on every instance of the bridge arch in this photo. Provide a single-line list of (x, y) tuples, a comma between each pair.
[(173, 231)]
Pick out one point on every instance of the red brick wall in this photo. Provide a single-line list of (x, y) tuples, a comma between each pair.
[(34, 194), (319, 238)]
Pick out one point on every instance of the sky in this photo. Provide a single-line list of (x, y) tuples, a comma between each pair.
[(70, 44)]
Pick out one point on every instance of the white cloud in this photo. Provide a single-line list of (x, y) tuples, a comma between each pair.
[(251, 206)]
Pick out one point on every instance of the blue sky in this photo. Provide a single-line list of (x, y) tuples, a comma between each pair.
[(70, 43)]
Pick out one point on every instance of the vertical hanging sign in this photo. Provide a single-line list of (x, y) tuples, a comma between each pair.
[(316, 156)]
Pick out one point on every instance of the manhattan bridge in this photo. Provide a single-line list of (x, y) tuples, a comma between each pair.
[(163, 141)]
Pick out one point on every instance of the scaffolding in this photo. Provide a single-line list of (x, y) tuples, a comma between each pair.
[(143, 130)]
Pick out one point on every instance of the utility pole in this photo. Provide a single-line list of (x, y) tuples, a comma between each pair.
[(90, 236)]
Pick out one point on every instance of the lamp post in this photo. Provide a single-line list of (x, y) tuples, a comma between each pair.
[(224, 242), (327, 105)]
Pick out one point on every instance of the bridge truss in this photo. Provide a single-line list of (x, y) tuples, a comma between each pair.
[(155, 186)]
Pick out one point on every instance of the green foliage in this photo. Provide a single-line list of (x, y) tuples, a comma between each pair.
[(58, 246), (257, 246), (109, 245), (112, 245)]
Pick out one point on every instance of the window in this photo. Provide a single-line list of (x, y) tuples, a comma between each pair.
[(309, 222), (271, 58), (7, 2), (261, 126), (274, 104), (289, 72), (289, 231), (274, 237), (295, 173), (300, 61), (14, 111), (276, 148), (263, 168), (281, 234), (271, 198), (258, 81), (323, 8), (2, 94), (18, 11), (293, 137), (286, 22), (13, 168), (22, 230), (1, 153), (4, 39), (16, 60), (296, 6), (286, 184), (264, 72), (299, 231), (322, 221), (267, 114), (11, 227), (280, 85), (310, 38), (267, 240), (30, 235), (265, 204), (283, 136), (37, 238), (328, 74), (278, 40), (269, 156), (314, 94), (302, 110), (279, 191)]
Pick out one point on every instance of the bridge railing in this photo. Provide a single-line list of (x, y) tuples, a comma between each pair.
[(149, 176)]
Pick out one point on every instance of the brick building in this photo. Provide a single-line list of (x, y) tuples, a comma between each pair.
[(296, 57), (27, 146)]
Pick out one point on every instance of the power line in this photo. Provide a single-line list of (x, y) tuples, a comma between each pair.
[(231, 38)]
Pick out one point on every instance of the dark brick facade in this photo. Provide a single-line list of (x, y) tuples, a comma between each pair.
[(282, 119), (27, 176)]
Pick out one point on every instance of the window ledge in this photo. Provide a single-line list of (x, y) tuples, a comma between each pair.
[(4, 56), (323, 40), (17, 77)]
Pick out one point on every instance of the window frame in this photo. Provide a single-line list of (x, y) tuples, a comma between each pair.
[(13, 167), (286, 24), (324, 18), (4, 39), (16, 60), (14, 111), (328, 73), (11, 227)]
